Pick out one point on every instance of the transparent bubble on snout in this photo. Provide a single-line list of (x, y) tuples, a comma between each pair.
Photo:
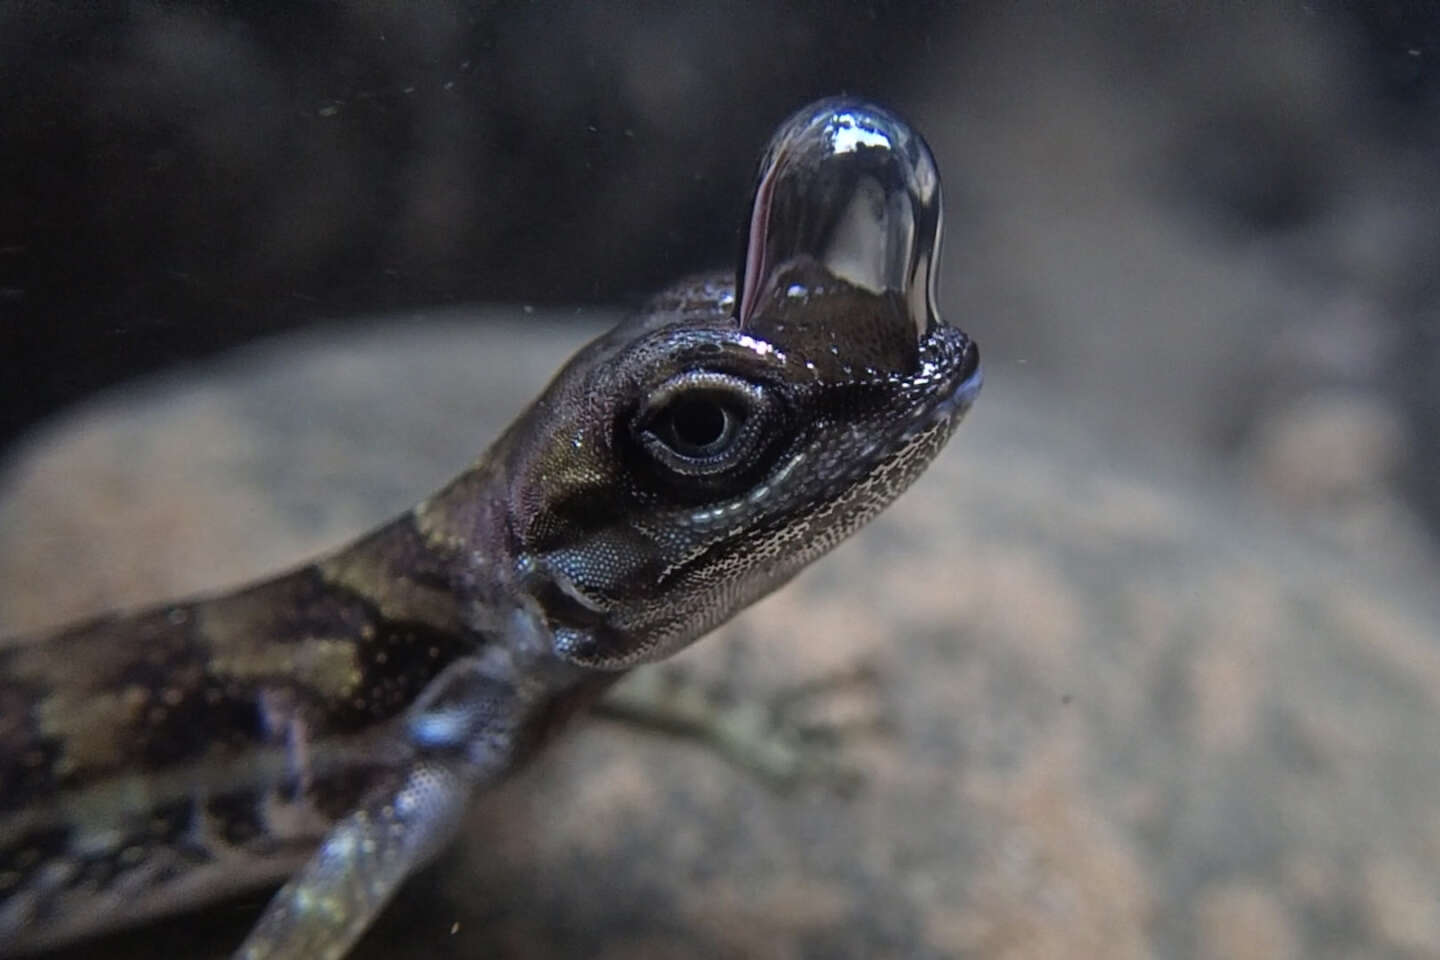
[(846, 192)]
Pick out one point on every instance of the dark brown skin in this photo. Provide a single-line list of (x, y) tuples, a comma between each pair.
[(674, 471)]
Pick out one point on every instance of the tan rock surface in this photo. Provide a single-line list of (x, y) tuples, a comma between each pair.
[(1134, 714)]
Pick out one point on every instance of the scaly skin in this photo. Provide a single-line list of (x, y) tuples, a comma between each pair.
[(338, 717)]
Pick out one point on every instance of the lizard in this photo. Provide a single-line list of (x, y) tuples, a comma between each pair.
[(326, 727)]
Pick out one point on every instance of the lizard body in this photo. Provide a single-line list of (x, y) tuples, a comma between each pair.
[(328, 725)]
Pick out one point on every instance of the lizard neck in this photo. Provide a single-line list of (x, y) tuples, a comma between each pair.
[(336, 649)]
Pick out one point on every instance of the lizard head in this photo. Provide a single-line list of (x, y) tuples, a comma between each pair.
[(704, 451)]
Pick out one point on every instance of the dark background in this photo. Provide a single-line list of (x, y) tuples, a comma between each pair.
[(177, 178)]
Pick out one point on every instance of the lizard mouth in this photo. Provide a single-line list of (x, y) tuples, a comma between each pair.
[(949, 378), (955, 361), (966, 387)]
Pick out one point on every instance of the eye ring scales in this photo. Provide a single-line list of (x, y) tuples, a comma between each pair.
[(702, 424)]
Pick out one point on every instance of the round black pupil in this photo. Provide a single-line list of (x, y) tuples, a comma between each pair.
[(698, 424)]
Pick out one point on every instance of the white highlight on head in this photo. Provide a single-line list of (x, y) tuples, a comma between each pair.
[(761, 347)]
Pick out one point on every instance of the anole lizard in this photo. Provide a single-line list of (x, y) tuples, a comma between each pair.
[(329, 725)]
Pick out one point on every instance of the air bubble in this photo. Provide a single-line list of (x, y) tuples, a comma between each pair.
[(849, 188)]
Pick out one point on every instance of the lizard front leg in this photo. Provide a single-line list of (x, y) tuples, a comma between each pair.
[(799, 734), (459, 734)]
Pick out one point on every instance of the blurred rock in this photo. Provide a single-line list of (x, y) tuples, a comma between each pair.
[(1330, 448), (1136, 713), (1332, 459), (1244, 922)]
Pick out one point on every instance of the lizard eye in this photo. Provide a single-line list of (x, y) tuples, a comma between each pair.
[(702, 424)]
